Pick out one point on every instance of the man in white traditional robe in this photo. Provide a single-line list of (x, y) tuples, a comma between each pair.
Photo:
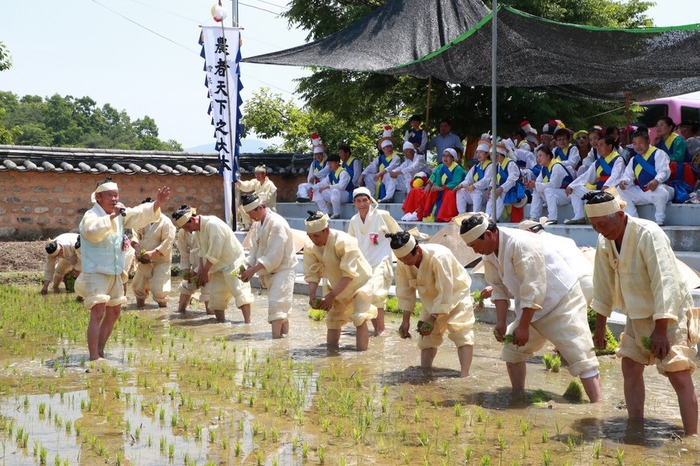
[(103, 248), (273, 258), (189, 263), (263, 187), (221, 260), (62, 257), (635, 271), (443, 286), (335, 257), (368, 226), (155, 240), (549, 303)]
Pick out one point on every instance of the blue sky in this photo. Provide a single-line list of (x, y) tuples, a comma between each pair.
[(142, 56)]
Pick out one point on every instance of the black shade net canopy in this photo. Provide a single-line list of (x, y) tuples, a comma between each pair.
[(451, 41)]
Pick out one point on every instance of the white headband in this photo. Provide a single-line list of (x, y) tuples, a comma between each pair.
[(252, 206), (477, 231), (319, 150), (483, 147), (406, 249), (387, 142), (408, 145), (180, 222), (314, 226), (603, 209)]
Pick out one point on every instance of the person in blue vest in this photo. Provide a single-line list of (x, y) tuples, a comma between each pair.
[(373, 177), (477, 181), (605, 172), (351, 163), (336, 188), (642, 183), (103, 246), (671, 142), (317, 170), (509, 187), (416, 135), (566, 152), (550, 186)]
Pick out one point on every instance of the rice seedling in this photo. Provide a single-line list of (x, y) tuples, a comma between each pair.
[(574, 391), (619, 457)]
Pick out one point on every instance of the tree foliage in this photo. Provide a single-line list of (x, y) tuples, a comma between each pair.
[(361, 99), (5, 58), (75, 122)]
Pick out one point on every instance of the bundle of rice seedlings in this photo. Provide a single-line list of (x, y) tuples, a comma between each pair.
[(540, 398), (574, 391), (317, 314)]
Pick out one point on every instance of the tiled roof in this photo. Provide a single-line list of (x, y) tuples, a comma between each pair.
[(131, 162)]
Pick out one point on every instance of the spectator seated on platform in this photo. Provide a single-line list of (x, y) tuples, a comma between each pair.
[(510, 189), (605, 172), (550, 186), (642, 182), (402, 177), (336, 188), (437, 201), (477, 181), (317, 170), (375, 177)]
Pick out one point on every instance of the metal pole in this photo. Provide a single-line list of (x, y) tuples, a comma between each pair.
[(494, 89)]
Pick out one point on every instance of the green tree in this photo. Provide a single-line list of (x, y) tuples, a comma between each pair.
[(269, 115), (75, 122), (354, 97), (5, 58)]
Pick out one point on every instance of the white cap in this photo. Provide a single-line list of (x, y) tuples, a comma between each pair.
[(387, 142), (408, 145)]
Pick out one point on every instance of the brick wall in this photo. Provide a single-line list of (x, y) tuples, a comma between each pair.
[(36, 205)]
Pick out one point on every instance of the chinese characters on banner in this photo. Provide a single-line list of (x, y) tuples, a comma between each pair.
[(222, 56)]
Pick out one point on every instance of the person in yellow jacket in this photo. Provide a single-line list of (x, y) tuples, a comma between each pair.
[(154, 251), (221, 259), (334, 256)]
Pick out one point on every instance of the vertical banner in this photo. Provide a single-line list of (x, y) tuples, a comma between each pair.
[(221, 51)]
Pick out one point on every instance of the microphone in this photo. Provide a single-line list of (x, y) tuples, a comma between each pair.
[(122, 211)]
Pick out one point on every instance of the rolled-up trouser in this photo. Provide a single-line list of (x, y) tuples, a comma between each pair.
[(98, 288), (224, 286), (680, 357), (188, 288), (154, 276), (357, 308), (280, 286), (634, 196), (475, 198), (567, 327), (379, 284), (458, 323)]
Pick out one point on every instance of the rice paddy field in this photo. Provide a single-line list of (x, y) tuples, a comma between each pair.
[(184, 390)]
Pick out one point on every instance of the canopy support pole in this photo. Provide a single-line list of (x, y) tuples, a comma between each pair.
[(494, 93), (628, 96), (427, 106)]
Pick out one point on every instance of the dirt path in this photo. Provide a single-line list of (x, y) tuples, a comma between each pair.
[(22, 256)]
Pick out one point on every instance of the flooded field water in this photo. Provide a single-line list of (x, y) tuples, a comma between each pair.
[(182, 389)]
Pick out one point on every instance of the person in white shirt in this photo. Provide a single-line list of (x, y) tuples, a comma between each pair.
[(643, 180), (478, 180), (549, 301), (635, 272), (401, 177), (103, 248), (273, 258), (335, 188), (550, 186), (369, 226), (317, 171), (376, 174), (604, 173), (63, 256)]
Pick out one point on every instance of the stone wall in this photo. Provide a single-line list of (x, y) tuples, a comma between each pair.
[(43, 205)]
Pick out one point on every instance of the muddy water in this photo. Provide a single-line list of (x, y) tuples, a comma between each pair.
[(182, 389)]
